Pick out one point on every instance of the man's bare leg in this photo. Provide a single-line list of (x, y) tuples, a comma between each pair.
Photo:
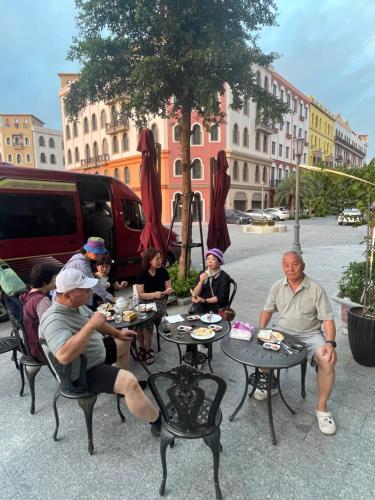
[(137, 402), (325, 379)]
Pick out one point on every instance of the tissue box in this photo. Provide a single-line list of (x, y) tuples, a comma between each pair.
[(241, 331)]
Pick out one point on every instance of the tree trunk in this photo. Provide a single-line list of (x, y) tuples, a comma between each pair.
[(184, 264)]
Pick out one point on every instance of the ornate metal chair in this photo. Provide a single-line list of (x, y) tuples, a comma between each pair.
[(80, 392), (189, 402), (27, 363)]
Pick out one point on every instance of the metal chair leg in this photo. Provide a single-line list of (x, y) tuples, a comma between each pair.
[(22, 375), (213, 442), (31, 373), (303, 377), (179, 353), (165, 440), (87, 406), (14, 358), (122, 416), (56, 397)]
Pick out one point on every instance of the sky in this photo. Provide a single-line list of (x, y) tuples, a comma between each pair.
[(326, 49)]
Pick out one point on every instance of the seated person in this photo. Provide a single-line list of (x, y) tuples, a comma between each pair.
[(107, 279), (211, 292), (70, 328), (35, 302), (153, 285), (303, 308)]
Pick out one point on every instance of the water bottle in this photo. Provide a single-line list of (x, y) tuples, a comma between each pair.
[(135, 301)]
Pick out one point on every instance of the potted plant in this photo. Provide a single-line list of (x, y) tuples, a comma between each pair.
[(357, 285), (181, 286)]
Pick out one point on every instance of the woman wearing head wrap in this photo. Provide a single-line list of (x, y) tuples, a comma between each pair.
[(211, 291)]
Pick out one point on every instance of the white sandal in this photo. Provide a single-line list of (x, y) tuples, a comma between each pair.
[(326, 423)]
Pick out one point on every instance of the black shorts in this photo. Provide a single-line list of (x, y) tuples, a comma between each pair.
[(102, 378)]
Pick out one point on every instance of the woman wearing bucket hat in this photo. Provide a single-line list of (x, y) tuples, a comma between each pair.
[(212, 288), (82, 261)]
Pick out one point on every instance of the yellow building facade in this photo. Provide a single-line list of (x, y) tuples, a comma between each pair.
[(321, 134), (16, 139)]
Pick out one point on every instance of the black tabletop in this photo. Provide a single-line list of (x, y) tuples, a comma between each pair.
[(252, 353), (185, 338), (137, 322)]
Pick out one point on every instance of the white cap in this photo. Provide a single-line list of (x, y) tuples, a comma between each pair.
[(69, 279)]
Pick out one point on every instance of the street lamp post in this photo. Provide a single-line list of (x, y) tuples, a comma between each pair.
[(299, 150), (262, 199)]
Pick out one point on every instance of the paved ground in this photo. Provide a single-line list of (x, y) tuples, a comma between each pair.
[(126, 464)]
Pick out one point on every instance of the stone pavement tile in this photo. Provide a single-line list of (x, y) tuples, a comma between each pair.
[(8, 489), (357, 484), (358, 451), (355, 368), (368, 429)]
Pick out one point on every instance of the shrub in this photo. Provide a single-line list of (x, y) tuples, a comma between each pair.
[(180, 286), (352, 281)]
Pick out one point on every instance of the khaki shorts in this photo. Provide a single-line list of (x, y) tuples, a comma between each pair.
[(312, 340)]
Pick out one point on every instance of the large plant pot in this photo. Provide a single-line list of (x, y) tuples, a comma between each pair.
[(361, 334)]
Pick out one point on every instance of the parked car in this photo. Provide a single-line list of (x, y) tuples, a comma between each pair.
[(257, 214), (237, 217), (279, 213), (350, 216)]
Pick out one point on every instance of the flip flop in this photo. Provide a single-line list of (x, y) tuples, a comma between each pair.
[(150, 357)]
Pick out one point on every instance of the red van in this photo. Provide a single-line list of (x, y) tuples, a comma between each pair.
[(48, 215)]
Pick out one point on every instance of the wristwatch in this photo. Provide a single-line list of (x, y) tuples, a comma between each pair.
[(332, 342)]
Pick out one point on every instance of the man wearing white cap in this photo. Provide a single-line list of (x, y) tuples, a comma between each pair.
[(70, 328)]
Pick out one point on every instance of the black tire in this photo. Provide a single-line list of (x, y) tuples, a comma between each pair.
[(340, 223), (4, 316)]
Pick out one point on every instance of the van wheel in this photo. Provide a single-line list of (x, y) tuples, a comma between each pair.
[(4, 316)]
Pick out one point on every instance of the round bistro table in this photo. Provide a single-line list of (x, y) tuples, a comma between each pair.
[(184, 338), (252, 353)]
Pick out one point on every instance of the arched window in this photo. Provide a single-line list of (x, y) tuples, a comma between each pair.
[(75, 129), (95, 149), (196, 169), (245, 173), (16, 123), (43, 157), (155, 132), (257, 173), (87, 152), (76, 154), (214, 133), (126, 175), (264, 175), (258, 79), (85, 125), (246, 137), (52, 159), (67, 133), (104, 146), (235, 171), (176, 133), (235, 134), (8, 141), (51, 142), (177, 201), (114, 144), (27, 141), (94, 122), (266, 83), (103, 118), (113, 115), (18, 159), (125, 142), (10, 158), (28, 158), (42, 142), (246, 106), (116, 174), (265, 143), (178, 168), (196, 138)]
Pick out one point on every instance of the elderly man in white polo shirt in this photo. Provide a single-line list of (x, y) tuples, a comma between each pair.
[(303, 308)]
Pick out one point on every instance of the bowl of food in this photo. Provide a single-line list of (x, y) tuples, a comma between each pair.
[(270, 336), (202, 333)]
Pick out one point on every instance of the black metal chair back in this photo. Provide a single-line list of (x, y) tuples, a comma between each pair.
[(234, 291), (189, 402)]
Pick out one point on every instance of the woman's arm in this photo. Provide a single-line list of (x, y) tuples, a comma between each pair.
[(147, 296)]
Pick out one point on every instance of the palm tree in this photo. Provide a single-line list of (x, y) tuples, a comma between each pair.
[(285, 191)]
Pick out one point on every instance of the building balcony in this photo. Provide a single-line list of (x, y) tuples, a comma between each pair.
[(18, 146), (118, 125), (289, 136), (350, 147), (95, 161), (263, 127)]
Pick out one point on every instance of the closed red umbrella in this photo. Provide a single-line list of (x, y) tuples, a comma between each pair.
[(153, 233), (218, 235)]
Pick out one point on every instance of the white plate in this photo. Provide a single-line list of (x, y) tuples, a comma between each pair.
[(215, 318), (199, 337)]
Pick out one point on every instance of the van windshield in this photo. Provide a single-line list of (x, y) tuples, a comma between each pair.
[(36, 215), (133, 214)]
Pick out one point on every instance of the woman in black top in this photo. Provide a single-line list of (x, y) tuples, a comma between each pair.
[(212, 288), (153, 285)]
